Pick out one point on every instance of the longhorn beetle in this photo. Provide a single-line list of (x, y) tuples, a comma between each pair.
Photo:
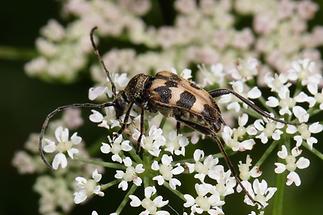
[(172, 96)]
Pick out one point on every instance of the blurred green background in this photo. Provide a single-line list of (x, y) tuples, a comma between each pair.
[(26, 101)]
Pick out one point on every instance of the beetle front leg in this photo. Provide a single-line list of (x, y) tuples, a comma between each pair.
[(125, 121), (142, 125), (178, 127)]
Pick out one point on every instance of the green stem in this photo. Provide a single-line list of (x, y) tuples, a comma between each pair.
[(312, 112), (176, 192), (148, 174), (314, 151), (110, 184), (267, 153), (13, 53), (251, 113), (101, 163), (280, 182), (279, 196), (135, 156), (126, 198)]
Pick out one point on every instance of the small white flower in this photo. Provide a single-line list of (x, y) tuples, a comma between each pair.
[(304, 70), (215, 74), (234, 138), (207, 200), (225, 182), (271, 130), (167, 171), (202, 166), (176, 144), (130, 175), (153, 142), (318, 97), (108, 121), (116, 148), (285, 102), (85, 188), (305, 131), (63, 144), (246, 69), (259, 191), (291, 164), (277, 82), (120, 81), (245, 172), (150, 206)]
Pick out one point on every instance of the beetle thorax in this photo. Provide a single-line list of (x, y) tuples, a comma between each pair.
[(136, 87)]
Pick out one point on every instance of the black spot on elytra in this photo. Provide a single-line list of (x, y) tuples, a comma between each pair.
[(186, 100), (165, 93), (170, 84)]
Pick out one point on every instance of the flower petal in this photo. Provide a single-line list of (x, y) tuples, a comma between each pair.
[(283, 152), (280, 168), (96, 116), (302, 163), (135, 201), (49, 146), (95, 92), (254, 93), (59, 160), (301, 114), (293, 177)]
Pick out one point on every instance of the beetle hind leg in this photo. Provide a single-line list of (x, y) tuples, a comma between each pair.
[(221, 92)]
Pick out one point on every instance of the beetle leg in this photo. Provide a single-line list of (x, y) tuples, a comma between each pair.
[(178, 127), (195, 126), (126, 117), (142, 118), (207, 131), (58, 110), (220, 92), (232, 168)]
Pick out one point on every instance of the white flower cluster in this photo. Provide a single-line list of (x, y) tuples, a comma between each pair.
[(204, 32), (163, 159)]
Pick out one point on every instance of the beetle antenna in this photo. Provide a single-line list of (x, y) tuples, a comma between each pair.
[(233, 169), (97, 53), (53, 113)]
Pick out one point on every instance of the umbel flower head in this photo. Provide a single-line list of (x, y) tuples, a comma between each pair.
[(286, 83)]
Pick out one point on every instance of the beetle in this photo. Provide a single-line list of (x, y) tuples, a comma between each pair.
[(172, 96)]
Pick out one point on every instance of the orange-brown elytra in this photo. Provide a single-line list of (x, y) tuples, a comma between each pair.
[(170, 95)]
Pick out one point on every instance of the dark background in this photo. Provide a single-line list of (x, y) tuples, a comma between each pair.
[(26, 101)]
